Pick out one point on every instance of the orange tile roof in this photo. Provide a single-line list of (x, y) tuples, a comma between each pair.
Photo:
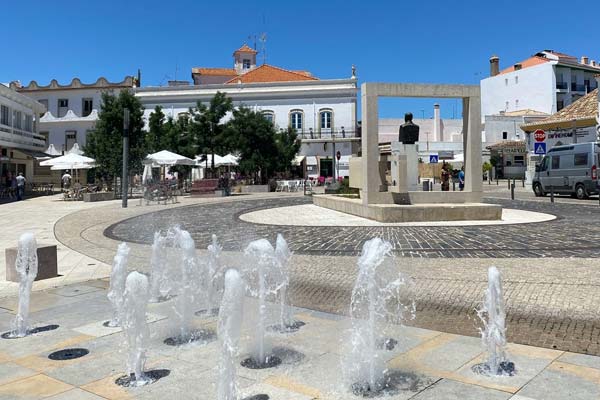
[(214, 71), (269, 73), (246, 49), (530, 62), (584, 109)]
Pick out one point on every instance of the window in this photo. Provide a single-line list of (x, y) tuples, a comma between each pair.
[(516, 104), (516, 80), (560, 104), (581, 159), (4, 115), (70, 139), (296, 119), (519, 160), (269, 116), (86, 107), (63, 107), (326, 119), (555, 162), (246, 63), (506, 106), (506, 82), (28, 123), (504, 135), (17, 119)]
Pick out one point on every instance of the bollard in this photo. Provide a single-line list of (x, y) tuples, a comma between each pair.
[(304, 187), (508, 181), (512, 191), (523, 182), (497, 181), (551, 194)]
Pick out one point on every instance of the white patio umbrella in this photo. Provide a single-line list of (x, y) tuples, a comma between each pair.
[(76, 150), (51, 151), (70, 161), (167, 158)]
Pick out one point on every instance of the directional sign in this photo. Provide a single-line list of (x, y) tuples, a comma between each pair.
[(539, 148), (433, 159), (539, 135)]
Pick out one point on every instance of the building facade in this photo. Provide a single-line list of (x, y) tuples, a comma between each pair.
[(321, 111), (20, 141), (72, 110), (546, 82)]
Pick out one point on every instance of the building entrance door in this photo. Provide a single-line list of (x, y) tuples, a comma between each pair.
[(326, 168)]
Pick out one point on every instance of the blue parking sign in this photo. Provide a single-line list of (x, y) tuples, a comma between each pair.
[(539, 148), (433, 159)]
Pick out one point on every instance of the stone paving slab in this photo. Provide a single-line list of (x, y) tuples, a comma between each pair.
[(431, 365)]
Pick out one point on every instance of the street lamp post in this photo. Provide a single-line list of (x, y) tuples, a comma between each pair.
[(124, 179)]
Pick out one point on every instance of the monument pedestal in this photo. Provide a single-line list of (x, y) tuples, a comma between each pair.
[(405, 170)]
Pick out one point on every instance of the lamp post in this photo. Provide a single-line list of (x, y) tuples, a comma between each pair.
[(124, 180)]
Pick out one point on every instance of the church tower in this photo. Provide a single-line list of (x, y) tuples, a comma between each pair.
[(244, 59)]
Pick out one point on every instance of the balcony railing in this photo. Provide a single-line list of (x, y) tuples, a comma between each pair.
[(336, 134), (562, 85)]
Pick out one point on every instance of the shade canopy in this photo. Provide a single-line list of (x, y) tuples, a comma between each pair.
[(69, 161), (220, 161), (166, 158), (51, 151)]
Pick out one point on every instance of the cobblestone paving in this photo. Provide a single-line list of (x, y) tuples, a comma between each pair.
[(552, 287), (575, 233)]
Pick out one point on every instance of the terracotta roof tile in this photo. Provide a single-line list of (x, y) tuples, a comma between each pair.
[(246, 49), (530, 62), (214, 71), (584, 109), (269, 73)]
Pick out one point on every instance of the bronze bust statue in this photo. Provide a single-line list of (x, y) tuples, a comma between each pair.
[(409, 132)]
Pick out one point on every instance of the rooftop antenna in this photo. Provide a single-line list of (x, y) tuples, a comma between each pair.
[(263, 41)]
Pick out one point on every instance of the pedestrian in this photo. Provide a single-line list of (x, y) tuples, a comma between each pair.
[(66, 180), (445, 178), (20, 186), (461, 179)]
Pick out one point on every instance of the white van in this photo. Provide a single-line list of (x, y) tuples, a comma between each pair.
[(571, 169)]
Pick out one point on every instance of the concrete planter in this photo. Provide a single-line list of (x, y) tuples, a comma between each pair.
[(99, 196), (47, 263), (254, 189)]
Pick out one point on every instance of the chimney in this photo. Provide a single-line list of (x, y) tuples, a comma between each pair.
[(593, 62), (518, 66), (585, 60), (437, 124), (494, 65)]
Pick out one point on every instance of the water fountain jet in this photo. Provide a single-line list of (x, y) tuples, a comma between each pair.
[(493, 335), (116, 291), (283, 255)]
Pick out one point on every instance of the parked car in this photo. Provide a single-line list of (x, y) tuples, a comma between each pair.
[(569, 169)]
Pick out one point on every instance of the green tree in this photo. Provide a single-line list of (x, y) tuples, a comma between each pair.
[(105, 142), (288, 145), (262, 150), (205, 127)]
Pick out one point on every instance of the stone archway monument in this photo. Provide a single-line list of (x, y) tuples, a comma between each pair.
[(402, 203)]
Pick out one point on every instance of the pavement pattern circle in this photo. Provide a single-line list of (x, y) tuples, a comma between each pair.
[(574, 233)]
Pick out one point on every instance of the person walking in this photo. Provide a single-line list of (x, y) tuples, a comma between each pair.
[(20, 186), (445, 178), (66, 181), (461, 179)]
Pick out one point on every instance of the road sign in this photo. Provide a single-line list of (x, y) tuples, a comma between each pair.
[(539, 148), (338, 155), (445, 155), (433, 159), (539, 135)]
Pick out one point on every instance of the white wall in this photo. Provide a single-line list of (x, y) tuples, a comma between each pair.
[(536, 90)]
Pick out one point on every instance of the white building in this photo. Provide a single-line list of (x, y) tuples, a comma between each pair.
[(506, 126), (435, 134), (72, 110), (546, 82), (20, 141), (322, 111)]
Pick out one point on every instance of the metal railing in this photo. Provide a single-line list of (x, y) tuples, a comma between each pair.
[(336, 134), (577, 88), (562, 85)]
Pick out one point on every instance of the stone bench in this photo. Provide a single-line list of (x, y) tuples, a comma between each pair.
[(47, 263)]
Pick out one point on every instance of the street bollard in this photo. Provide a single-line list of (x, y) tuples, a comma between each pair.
[(551, 194), (508, 181), (304, 187), (512, 191), (523, 182), (497, 181)]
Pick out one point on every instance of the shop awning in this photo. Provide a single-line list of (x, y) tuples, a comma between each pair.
[(298, 160), (311, 160)]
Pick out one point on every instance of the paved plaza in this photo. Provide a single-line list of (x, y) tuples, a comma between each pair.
[(550, 280)]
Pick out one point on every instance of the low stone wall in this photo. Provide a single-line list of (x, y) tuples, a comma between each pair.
[(47, 263), (412, 212), (98, 196), (254, 188)]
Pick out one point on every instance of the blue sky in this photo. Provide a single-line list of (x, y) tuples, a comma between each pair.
[(397, 41)]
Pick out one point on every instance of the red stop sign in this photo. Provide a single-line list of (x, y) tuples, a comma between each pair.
[(539, 135)]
